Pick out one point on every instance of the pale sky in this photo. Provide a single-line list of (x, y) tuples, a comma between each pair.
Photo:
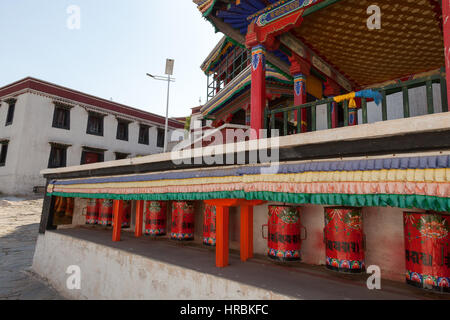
[(118, 43)]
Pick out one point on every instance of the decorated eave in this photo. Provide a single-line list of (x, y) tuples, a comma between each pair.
[(333, 37), (222, 49), (241, 84)]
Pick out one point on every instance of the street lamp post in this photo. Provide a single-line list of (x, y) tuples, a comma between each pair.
[(169, 72)]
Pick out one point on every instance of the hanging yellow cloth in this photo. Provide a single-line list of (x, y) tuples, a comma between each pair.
[(350, 96)]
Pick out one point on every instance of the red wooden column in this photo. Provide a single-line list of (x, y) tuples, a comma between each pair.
[(246, 232), (300, 98), (446, 27), (300, 69), (222, 236), (139, 218), (258, 90), (117, 219), (331, 90)]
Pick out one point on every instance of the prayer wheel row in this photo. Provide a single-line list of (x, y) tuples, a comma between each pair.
[(100, 211), (182, 224), (427, 241), (63, 211), (342, 234)]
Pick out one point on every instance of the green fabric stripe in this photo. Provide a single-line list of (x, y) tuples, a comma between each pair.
[(354, 200)]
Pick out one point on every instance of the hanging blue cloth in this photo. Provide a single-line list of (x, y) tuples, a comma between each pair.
[(370, 94)]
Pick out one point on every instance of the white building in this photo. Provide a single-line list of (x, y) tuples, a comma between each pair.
[(43, 125)]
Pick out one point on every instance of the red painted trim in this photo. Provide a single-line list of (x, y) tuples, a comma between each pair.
[(56, 90)]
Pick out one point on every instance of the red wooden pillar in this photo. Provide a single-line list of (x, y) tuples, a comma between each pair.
[(446, 27), (300, 98), (258, 90), (117, 219), (334, 115), (222, 235), (246, 232), (139, 218)]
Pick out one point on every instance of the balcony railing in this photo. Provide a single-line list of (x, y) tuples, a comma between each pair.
[(273, 121)]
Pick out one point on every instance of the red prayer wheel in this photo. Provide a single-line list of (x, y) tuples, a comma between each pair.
[(92, 211), (427, 250), (284, 233), (126, 214), (105, 212), (209, 225), (155, 218), (182, 221), (70, 203), (344, 239)]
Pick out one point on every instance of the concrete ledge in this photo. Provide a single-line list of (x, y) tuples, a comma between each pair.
[(110, 274), (160, 269)]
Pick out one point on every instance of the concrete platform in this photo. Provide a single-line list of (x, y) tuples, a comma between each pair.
[(162, 269)]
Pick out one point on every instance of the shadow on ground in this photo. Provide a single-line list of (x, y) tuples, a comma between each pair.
[(17, 281)]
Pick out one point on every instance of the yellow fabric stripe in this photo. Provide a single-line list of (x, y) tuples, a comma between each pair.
[(156, 183)]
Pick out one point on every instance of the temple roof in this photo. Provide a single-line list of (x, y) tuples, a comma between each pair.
[(410, 40)]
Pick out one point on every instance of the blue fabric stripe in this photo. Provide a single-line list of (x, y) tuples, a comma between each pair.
[(432, 162)]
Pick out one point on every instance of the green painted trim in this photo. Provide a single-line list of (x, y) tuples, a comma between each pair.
[(319, 6), (353, 200)]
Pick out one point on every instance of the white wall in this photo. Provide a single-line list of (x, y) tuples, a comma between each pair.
[(31, 132), (146, 278), (8, 173)]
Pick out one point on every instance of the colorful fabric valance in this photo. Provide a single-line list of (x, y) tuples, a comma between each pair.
[(412, 182)]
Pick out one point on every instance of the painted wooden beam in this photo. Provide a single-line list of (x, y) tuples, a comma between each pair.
[(238, 37), (246, 232), (117, 219), (139, 218), (222, 236)]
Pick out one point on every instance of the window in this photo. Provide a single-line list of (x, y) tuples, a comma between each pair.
[(95, 124), (61, 117), (10, 115), (122, 130), (58, 156), (143, 134), (120, 156), (3, 152), (90, 155), (160, 139)]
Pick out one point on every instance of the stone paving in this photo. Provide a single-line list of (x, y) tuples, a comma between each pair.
[(19, 225)]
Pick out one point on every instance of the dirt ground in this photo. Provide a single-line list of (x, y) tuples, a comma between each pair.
[(19, 225)]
